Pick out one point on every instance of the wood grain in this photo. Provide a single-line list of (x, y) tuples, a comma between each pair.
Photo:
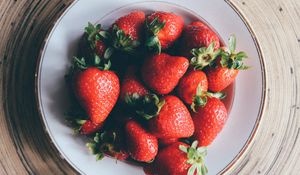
[(25, 148)]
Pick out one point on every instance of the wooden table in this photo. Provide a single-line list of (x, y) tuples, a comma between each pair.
[(25, 149)]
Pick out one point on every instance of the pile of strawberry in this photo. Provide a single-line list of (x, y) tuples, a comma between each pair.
[(148, 90)]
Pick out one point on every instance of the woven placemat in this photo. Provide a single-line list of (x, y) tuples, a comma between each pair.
[(25, 148)]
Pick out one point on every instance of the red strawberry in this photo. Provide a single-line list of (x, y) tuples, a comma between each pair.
[(127, 31), (209, 120), (225, 70), (131, 84), (164, 28), (162, 72), (189, 83), (197, 35), (89, 127), (173, 120), (179, 159), (97, 91), (142, 146)]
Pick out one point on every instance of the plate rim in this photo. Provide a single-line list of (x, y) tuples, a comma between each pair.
[(237, 157)]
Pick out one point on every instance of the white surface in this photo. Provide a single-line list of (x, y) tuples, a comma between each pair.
[(62, 44)]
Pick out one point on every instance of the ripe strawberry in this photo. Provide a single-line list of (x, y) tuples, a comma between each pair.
[(127, 31), (187, 87), (162, 72), (226, 68), (164, 29), (197, 35), (131, 85), (97, 91), (209, 120), (173, 120), (142, 146), (179, 159), (88, 127)]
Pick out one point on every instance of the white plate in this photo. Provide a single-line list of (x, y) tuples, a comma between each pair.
[(62, 44)]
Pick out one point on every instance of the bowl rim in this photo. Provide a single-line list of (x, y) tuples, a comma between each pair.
[(262, 105)]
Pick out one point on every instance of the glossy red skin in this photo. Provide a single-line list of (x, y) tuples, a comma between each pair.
[(100, 48), (167, 141), (132, 24), (142, 146), (188, 84), (162, 72), (172, 29), (131, 84), (173, 121), (197, 35), (89, 127), (209, 121), (169, 161), (97, 91), (221, 77)]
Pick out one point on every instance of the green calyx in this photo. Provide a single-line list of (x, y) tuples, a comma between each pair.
[(232, 59), (147, 106), (204, 56), (195, 156), (201, 97), (123, 42), (82, 64), (102, 143), (152, 42), (94, 33)]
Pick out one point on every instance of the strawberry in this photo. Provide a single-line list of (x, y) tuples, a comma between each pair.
[(179, 159), (187, 86), (226, 68), (109, 143), (97, 90), (127, 31), (172, 121), (131, 85), (162, 72), (142, 146), (163, 30), (95, 42), (197, 35), (209, 119)]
